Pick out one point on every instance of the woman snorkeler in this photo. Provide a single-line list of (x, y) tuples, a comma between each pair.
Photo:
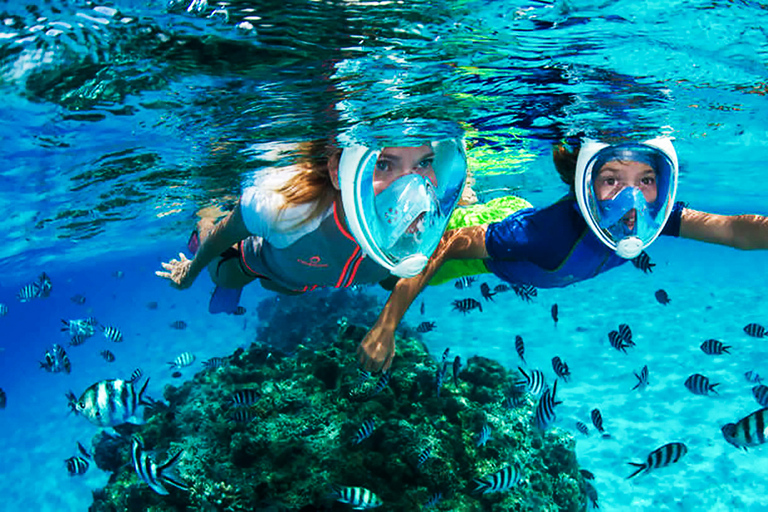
[(622, 198), (354, 216)]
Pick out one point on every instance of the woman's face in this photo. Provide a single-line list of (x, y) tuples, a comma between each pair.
[(393, 163), (614, 176)]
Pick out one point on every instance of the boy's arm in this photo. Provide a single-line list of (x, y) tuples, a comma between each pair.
[(738, 231), (377, 349)]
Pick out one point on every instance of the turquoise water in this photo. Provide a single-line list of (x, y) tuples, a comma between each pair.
[(121, 120)]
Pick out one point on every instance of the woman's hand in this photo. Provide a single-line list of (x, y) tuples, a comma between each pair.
[(178, 272), (377, 349)]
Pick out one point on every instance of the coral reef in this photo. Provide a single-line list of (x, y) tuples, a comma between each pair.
[(282, 452)]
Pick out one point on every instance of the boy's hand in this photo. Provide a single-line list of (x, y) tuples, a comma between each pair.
[(377, 349), (178, 272)]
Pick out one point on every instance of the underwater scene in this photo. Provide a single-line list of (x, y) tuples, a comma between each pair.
[(639, 384)]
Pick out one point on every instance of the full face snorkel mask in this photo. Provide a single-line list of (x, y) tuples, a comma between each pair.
[(400, 227), (607, 218)]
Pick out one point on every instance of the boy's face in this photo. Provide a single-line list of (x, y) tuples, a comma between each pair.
[(615, 175)]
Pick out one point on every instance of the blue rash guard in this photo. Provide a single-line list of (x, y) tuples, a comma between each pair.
[(553, 247)]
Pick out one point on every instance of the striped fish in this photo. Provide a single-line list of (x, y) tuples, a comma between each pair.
[(544, 415), (500, 481), (755, 330), (44, 284), (466, 305), (626, 334), (752, 377), (433, 500), (643, 262), (364, 432), (214, 363), (501, 288), (714, 348), (156, 476), (3, 309), (749, 431), (81, 327), (597, 420), (617, 341), (76, 465), (242, 415), (109, 402), (182, 360), (520, 348), (642, 379), (464, 282), (56, 360), (381, 383), (484, 436), (582, 428), (533, 383), (359, 497), (424, 456), (108, 356), (76, 341), (28, 292), (561, 368), (425, 327), (699, 385), (526, 292), (245, 397), (761, 394), (660, 457), (112, 333), (135, 376)]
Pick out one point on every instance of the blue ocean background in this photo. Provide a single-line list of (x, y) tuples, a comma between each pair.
[(119, 121)]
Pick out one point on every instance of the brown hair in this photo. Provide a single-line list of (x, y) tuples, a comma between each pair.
[(564, 159), (312, 182)]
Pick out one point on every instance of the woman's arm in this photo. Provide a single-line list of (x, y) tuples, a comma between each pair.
[(739, 231), (377, 349), (229, 231)]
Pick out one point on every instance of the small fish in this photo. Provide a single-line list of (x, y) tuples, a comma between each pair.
[(422, 308), (587, 474), (642, 379), (501, 288), (56, 360), (364, 432), (440, 377), (239, 311), (156, 476), (433, 500), (662, 297), (82, 327), (182, 360), (643, 262), (456, 370), (591, 493), (77, 340), (533, 383), (83, 451), (464, 282), (554, 312), (755, 330), (242, 415), (582, 428), (179, 325), (761, 394), (484, 436), (135, 376), (525, 291), (78, 299), (3, 309), (486, 292), (359, 497), (381, 383), (660, 457), (151, 305), (749, 431), (617, 342), (109, 402), (112, 333), (561, 368), (108, 356), (500, 481), (426, 327), (176, 374), (626, 334), (44, 284), (752, 377), (28, 292), (466, 305), (714, 348), (214, 363), (76, 465), (424, 455), (3, 399), (544, 415), (520, 347), (699, 385), (118, 274), (245, 397), (597, 420)]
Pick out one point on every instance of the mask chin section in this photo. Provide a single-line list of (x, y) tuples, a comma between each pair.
[(629, 247)]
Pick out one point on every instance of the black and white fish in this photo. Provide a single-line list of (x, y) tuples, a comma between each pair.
[(182, 360), (500, 481), (660, 457), (359, 497), (464, 282), (554, 311), (643, 262), (698, 384), (501, 288), (533, 382), (3, 399), (588, 475), (56, 360), (3, 309), (626, 334), (28, 292), (112, 333), (179, 325), (135, 376), (239, 311), (486, 292), (466, 305), (456, 370), (424, 456), (78, 299), (760, 393), (433, 500), (544, 415), (617, 341), (662, 297), (156, 476), (749, 431), (484, 435), (525, 291), (365, 431), (755, 330), (597, 420), (76, 465), (110, 402), (642, 378), (753, 377), (44, 284), (108, 356), (714, 348), (76, 341), (561, 368), (381, 383), (82, 327), (582, 428), (242, 415), (426, 327), (245, 397), (422, 308), (214, 363), (520, 347)]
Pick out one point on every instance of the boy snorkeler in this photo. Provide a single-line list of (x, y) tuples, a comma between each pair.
[(622, 198)]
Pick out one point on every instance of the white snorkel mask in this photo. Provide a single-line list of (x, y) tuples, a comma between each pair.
[(400, 227), (608, 218)]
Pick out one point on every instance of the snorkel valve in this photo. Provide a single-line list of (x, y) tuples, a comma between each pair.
[(629, 247)]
